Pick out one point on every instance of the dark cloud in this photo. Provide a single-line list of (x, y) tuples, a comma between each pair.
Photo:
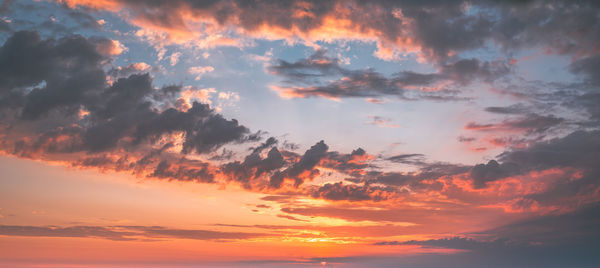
[(566, 239), (578, 150), (199, 172), (268, 143), (466, 70), (512, 109), (589, 103), (128, 70), (407, 158), (426, 171), (575, 228), (482, 173), (561, 240), (69, 68), (356, 161), (438, 29), (453, 243), (316, 66), (254, 166), (302, 170), (351, 192), (55, 99), (530, 123), (588, 68), (311, 77)]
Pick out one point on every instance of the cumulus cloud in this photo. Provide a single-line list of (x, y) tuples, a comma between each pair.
[(60, 107), (56, 101), (198, 71), (491, 171), (254, 166), (302, 170), (132, 68)]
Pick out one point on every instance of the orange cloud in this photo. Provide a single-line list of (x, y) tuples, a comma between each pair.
[(180, 22)]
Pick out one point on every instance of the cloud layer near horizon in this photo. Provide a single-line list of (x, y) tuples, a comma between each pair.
[(64, 99)]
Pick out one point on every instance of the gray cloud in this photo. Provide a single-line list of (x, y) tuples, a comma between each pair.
[(530, 123), (407, 158), (306, 163), (437, 28), (512, 109), (562, 240), (482, 173), (453, 243), (351, 192), (310, 77), (578, 150), (45, 85), (254, 166)]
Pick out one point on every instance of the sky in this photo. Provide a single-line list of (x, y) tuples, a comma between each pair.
[(299, 133)]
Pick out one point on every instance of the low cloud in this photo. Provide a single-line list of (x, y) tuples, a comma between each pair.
[(123, 233)]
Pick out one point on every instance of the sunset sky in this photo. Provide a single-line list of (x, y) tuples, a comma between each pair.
[(182, 133)]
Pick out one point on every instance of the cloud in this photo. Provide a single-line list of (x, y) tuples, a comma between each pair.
[(572, 229), (174, 58), (578, 150), (59, 103), (289, 217), (382, 122), (530, 123), (588, 68), (552, 241), (198, 172), (322, 76), (407, 159), (123, 233), (555, 240), (200, 70), (436, 30), (302, 170), (512, 109), (416, 179), (132, 68), (109, 47), (84, 19), (482, 173), (453, 243), (254, 166), (351, 192)]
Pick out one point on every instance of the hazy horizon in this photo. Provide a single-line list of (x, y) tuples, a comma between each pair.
[(299, 133)]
